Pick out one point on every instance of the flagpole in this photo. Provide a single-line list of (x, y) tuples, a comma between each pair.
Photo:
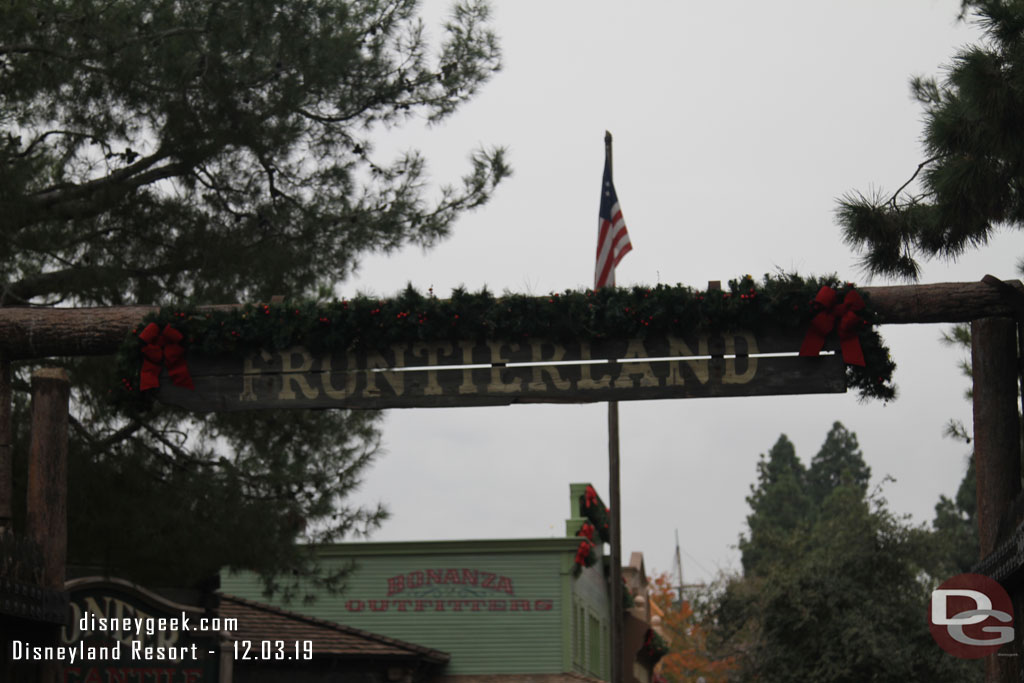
[(613, 492)]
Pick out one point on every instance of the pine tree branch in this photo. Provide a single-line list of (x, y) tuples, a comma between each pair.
[(920, 167)]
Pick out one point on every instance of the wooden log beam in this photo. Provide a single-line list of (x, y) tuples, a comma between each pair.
[(48, 332), (996, 452), (46, 499), (6, 447)]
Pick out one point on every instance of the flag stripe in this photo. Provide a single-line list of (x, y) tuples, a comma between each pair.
[(612, 238)]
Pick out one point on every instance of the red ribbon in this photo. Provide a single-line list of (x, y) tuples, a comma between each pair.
[(590, 496), (841, 315), (163, 349), (586, 531), (582, 553)]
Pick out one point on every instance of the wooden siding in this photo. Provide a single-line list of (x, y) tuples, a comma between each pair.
[(514, 625)]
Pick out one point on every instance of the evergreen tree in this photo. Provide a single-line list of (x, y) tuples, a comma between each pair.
[(779, 505), (973, 177), (956, 528), (158, 151), (839, 461), (840, 592)]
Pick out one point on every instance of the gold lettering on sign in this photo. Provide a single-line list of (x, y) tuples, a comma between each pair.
[(350, 378), (249, 369), (730, 376), (395, 379), (536, 356), (467, 386), (586, 381), (629, 370), (496, 385), (430, 353), (291, 373), (698, 366)]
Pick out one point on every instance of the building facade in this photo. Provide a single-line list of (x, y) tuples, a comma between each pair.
[(534, 609)]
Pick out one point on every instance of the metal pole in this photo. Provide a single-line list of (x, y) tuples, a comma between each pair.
[(613, 492)]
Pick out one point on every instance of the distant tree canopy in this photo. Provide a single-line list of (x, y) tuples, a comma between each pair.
[(788, 496), (972, 180), (184, 151), (835, 587)]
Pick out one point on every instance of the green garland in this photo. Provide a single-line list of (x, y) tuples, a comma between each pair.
[(780, 303)]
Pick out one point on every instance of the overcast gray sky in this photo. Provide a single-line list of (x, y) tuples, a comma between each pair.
[(736, 126)]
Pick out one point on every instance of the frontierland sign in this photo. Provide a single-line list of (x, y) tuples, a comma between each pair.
[(492, 372)]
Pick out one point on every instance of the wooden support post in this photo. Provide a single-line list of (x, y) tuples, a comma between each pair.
[(47, 510), (996, 453), (6, 448), (615, 577)]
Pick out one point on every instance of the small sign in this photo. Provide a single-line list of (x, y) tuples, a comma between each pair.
[(117, 631)]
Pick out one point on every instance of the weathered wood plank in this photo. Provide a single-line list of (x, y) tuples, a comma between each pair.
[(27, 332), (46, 498), (325, 387)]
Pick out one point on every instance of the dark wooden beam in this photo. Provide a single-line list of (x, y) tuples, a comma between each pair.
[(6, 448), (996, 455), (46, 332), (46, 500), (996, 425)]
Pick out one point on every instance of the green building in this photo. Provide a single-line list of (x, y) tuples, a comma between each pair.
[(504, 608)]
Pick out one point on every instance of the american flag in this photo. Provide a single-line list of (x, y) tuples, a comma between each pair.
[(612, 238)]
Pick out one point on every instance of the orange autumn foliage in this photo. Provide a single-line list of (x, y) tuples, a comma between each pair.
[(688, 658)]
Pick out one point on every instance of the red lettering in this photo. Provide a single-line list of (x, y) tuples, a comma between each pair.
[(520, 605), (415, 579), (488, 580), (469, 577), (396, 584), (505, 585), (439, 605), (378, 605), (420, 604), (116, 675), (402, 604), (75, 671), (93, 676), (192, 675), (452, 576), (456, 605), (355, 605), (434, 576), (543, 605), (496, 606), (477, 604)]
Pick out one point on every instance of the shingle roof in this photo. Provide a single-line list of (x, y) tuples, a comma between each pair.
[(257, 621)]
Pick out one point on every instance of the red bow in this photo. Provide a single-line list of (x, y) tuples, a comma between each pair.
[(163, 347), (583, 553), (843, 316), (587, 531), (590, 496)]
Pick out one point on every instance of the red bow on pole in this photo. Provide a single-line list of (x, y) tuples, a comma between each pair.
[(836, 314), (163, 349), (586, 531), (583, 553)]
